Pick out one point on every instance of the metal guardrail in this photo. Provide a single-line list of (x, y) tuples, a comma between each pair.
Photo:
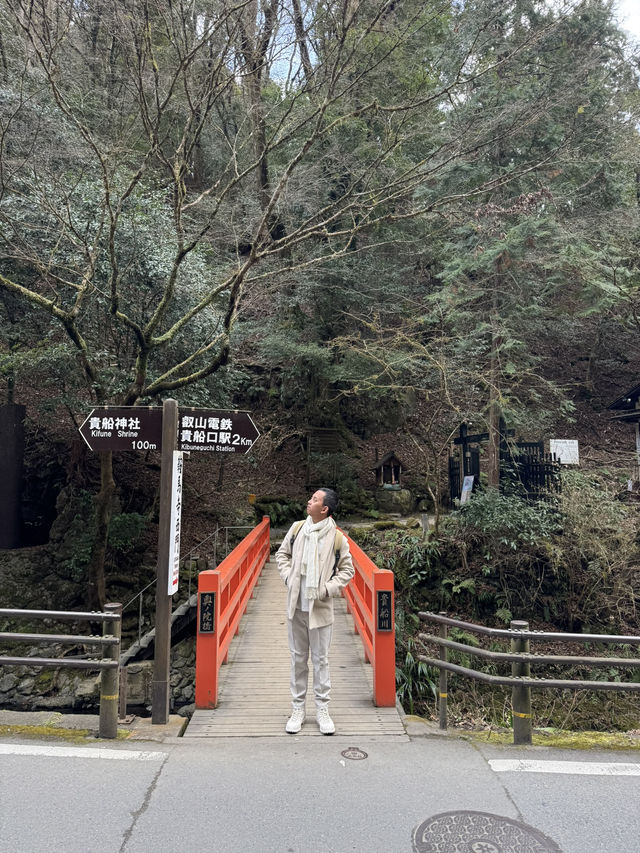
[(191, 562), (521, 660), (108, 665)]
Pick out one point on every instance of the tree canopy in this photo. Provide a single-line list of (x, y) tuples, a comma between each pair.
[(367, 201)]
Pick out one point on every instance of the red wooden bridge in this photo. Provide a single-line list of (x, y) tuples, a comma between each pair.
[(242, 655)]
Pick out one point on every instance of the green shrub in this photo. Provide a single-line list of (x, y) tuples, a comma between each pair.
[(281, 510), (506, 522), (125, 530), (415, 681)]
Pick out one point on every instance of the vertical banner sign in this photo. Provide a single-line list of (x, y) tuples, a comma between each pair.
[(176, 511)]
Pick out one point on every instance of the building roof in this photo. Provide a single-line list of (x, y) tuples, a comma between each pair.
[(388, 458), (627, 400)]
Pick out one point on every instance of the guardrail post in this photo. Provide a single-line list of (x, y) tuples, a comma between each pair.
[(520, 696), (442, 680), (123, 688), (108, 724)]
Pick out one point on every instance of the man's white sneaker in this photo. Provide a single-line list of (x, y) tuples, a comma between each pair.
[(295, 721), (325, 722)]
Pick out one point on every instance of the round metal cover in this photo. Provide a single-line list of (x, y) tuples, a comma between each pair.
[(479, 832), (354, 753)]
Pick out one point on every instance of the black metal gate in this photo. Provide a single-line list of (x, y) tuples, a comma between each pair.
[(524, 466), (537, 475)]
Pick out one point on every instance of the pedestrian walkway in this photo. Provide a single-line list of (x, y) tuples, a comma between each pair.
[(254, 697)]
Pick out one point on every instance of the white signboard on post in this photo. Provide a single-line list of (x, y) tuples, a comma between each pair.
[(176, 512), (565, 450), (467, 488)]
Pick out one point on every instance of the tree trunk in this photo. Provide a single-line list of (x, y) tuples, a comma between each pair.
[(301, 39), (103, 501), (495, 411)]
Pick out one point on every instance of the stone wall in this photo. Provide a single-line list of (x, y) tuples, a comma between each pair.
[(30, 689)]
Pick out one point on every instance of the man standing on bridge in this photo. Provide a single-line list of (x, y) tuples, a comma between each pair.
[(315, 564)]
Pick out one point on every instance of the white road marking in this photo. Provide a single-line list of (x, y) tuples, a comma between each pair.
[(81, 752), (581, 768)]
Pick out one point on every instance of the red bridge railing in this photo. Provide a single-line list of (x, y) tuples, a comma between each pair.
[(223, 595), (370, 601)]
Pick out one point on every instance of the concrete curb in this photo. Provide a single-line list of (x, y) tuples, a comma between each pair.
[(138, 728)]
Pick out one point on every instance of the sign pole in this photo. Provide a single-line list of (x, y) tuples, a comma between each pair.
[(160, 685), (110, 428)]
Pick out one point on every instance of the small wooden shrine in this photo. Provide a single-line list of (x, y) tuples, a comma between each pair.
[(388, 471)]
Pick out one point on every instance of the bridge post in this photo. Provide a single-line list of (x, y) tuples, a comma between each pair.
[(521, 696), (207, 639), (384, 641)]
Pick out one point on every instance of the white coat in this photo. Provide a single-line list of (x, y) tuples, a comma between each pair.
[(289, 561)]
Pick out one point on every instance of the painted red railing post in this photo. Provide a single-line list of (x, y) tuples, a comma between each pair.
[(384, 641), (370, 601), (207, 638)]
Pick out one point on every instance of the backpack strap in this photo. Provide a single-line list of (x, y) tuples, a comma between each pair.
[(297, 527), (337, 546)]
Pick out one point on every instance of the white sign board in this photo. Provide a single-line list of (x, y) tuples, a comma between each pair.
[(565, 450), (467, 488), (176, 512)]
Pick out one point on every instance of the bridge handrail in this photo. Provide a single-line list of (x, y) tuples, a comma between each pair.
[(520, 658), (108, 665), (370, 589), (223, 596)]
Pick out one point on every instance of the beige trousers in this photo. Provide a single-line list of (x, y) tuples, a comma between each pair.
[(303, 640)]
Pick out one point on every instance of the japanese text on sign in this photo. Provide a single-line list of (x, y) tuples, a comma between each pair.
[(384, 611), (198, 430), (207, 612), (105, 423), (221, 432), (123, 428), (176, 514)]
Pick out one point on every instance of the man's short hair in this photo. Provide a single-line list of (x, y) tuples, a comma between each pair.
[(330, 500)]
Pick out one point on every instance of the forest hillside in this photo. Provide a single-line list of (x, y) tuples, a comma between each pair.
[(366, 223)]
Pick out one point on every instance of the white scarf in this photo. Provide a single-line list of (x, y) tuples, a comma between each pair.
[(313, 534)]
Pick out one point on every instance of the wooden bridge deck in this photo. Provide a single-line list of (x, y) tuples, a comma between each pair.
[(253, 694)]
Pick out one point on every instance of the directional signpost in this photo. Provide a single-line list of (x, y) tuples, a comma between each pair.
[(138, 428), (171, 432), (216, 431), (123, 428)]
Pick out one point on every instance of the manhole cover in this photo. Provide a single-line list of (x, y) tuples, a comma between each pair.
[(353, 753), (478, 832)]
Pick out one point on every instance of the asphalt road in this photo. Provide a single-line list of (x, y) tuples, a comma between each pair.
[(304, 796)]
